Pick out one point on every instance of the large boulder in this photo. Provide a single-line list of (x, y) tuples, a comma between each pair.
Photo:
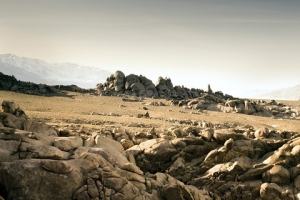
[(8, 107), (162, 88), (277, 174), (131, 79), (181, 91), (261, 133), (138, 88), (222, 135), (106, 142), (12, 121), (12, 108), (8, 150), (154, 155), (37, 179), (209, 90), (150, 89), (51, 152), (169, 84), (271, 191), (119, 81), (34, 126), (148, 84), (249, 108), (68, 143)]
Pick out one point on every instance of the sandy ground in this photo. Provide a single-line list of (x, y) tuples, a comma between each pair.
[(77, 110)]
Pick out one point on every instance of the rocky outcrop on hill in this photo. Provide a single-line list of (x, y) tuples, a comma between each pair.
[(243, 106), (197, 161), (141, 86), (10, 83), (194, 99)]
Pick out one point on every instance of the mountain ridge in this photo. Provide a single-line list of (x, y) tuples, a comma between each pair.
[(289, 93), (39, 71)]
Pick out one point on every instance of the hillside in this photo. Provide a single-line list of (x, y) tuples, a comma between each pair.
[(39, 71), (291, 93)]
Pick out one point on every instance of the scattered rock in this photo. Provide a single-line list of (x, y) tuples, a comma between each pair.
[(146, 115), (190, 160)]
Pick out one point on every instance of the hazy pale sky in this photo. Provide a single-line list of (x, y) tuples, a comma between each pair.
[(234, 45)]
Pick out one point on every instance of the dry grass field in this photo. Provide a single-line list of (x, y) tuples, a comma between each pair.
[(63, 112)]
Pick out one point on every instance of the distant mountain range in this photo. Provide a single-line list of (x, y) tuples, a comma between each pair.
[(39, 71), (292, 93)]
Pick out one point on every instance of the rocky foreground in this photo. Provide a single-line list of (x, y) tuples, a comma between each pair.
[(199, 160)]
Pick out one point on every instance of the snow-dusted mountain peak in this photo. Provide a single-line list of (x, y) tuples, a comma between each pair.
[(39, 71)]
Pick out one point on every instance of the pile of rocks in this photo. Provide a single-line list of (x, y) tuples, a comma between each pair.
[(235, 105), (197, 99), (196, 161), (141, 86)]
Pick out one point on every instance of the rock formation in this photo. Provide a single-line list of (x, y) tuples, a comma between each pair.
[(217, 102), (195, 99), (209, 90), (190, 160), (35, 163), (141, 86)]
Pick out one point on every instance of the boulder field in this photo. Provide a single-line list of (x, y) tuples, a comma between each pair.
[(139, 86), (194, 99), (199, 161)]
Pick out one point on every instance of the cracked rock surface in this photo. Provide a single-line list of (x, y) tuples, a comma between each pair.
[(196, 161)]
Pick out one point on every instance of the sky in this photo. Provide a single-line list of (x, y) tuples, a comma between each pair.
[(236, 46)]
